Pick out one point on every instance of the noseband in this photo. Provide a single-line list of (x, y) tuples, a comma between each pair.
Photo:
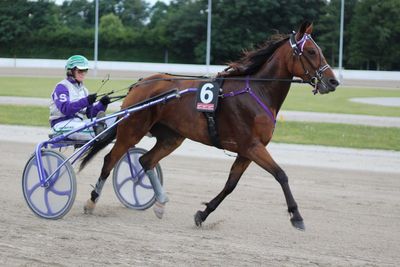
[(298, 48)]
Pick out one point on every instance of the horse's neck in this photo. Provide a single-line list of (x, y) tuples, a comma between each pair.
[(274, 93)]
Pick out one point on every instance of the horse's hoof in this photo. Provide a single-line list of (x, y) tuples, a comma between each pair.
[(159, 209), (88, 208), (197, 219), (299, 225)]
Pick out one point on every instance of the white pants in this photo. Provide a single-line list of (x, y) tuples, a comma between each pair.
[(72, 124)]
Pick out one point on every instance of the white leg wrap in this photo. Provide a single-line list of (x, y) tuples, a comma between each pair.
[(161, 196), (99, 186)]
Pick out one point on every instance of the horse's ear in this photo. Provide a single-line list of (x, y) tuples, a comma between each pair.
[(309, 29), (305, 27)]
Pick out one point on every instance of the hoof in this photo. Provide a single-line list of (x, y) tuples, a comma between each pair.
[(197, 219), (299, 225), (89, 207), (159, 209)]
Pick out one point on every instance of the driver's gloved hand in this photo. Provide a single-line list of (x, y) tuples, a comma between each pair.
[(91, 98), (105, 100)]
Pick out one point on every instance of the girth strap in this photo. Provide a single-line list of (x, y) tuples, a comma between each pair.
[(212, 129)]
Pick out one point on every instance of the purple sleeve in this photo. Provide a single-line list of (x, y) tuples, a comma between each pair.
[(61, 99), (92, 111)]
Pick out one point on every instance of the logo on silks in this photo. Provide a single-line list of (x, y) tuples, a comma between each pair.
[(207, 97)]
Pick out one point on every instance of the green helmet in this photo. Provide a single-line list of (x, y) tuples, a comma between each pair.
[(77, 61)]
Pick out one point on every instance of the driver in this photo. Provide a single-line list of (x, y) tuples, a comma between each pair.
[(71, 102)]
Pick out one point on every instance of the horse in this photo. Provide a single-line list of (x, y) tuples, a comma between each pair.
[(252, 92)]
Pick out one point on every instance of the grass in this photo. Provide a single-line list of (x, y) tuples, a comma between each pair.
[(338, 135), (24, 115), (329, 134), (300, 97), (43, 87)]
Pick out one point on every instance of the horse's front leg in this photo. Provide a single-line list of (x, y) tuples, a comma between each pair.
[(237, 169), (260, 155)]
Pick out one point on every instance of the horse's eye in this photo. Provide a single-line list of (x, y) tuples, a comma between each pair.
[(312, 52)]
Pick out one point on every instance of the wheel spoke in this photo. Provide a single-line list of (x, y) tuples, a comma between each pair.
[(55, 198)]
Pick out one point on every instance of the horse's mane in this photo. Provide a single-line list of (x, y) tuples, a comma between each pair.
[(251, 61)]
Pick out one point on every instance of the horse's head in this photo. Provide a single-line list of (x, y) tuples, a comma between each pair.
[(309, 63)]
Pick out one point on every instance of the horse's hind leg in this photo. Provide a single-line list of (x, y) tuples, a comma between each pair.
[(109, 161), (237, 169), (167, 141), (261, 156)]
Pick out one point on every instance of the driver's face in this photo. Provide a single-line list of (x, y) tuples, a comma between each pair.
[(80, 74)]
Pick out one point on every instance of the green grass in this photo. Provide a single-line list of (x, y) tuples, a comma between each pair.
[(43, 87), (338, 135), (329, 134), (24, 115), (301, 98)]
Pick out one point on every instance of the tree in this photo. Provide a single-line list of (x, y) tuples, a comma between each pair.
[(14, 21), (239, 25), (375, 32), (328, 30), (77, 14), (133, 13), (236, 24)]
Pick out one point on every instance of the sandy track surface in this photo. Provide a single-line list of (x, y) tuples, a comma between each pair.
[(352, 219)]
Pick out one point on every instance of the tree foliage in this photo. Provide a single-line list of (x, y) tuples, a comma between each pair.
[(375, 31), (133, 30)]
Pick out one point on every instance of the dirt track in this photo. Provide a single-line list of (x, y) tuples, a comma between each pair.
[(352, 219)]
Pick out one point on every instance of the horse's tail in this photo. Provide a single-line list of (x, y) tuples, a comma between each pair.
[(98, 145)]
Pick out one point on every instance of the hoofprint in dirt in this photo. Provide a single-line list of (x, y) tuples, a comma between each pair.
[(352, 220)]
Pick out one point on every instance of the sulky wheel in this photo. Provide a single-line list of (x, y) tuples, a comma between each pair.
[(131, 185), (54, 199)]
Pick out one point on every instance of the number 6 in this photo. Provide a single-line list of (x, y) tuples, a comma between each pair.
[(206, 95)]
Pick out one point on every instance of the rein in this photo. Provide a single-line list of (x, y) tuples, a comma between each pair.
[(297, 47), (203, 78)]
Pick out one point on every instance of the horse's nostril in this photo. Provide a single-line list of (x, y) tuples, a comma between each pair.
[(333, 82)]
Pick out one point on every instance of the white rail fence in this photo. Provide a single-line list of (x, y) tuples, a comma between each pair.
[(177, 68)]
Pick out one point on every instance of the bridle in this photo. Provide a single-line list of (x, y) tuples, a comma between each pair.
[(298, 48)]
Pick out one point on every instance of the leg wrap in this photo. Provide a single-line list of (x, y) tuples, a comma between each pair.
[(97, 189), (157, 187)]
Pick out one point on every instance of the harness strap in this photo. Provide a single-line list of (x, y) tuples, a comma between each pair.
[(212, 129), (212, 121), (248, 89)]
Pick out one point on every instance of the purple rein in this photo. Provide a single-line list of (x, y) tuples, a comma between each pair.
[(247, 89)]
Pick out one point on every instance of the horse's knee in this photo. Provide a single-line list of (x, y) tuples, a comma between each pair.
[(281, 177)]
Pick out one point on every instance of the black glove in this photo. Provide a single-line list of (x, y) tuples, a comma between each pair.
[(105, 100), (91, 98)]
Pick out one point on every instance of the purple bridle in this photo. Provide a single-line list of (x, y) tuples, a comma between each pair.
[(248, 89), (298, 48)]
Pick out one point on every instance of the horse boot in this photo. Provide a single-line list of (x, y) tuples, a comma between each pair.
[(161, 197), (90, 205)]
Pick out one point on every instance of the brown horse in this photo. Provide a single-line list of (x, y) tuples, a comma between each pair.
[(253, 91)]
